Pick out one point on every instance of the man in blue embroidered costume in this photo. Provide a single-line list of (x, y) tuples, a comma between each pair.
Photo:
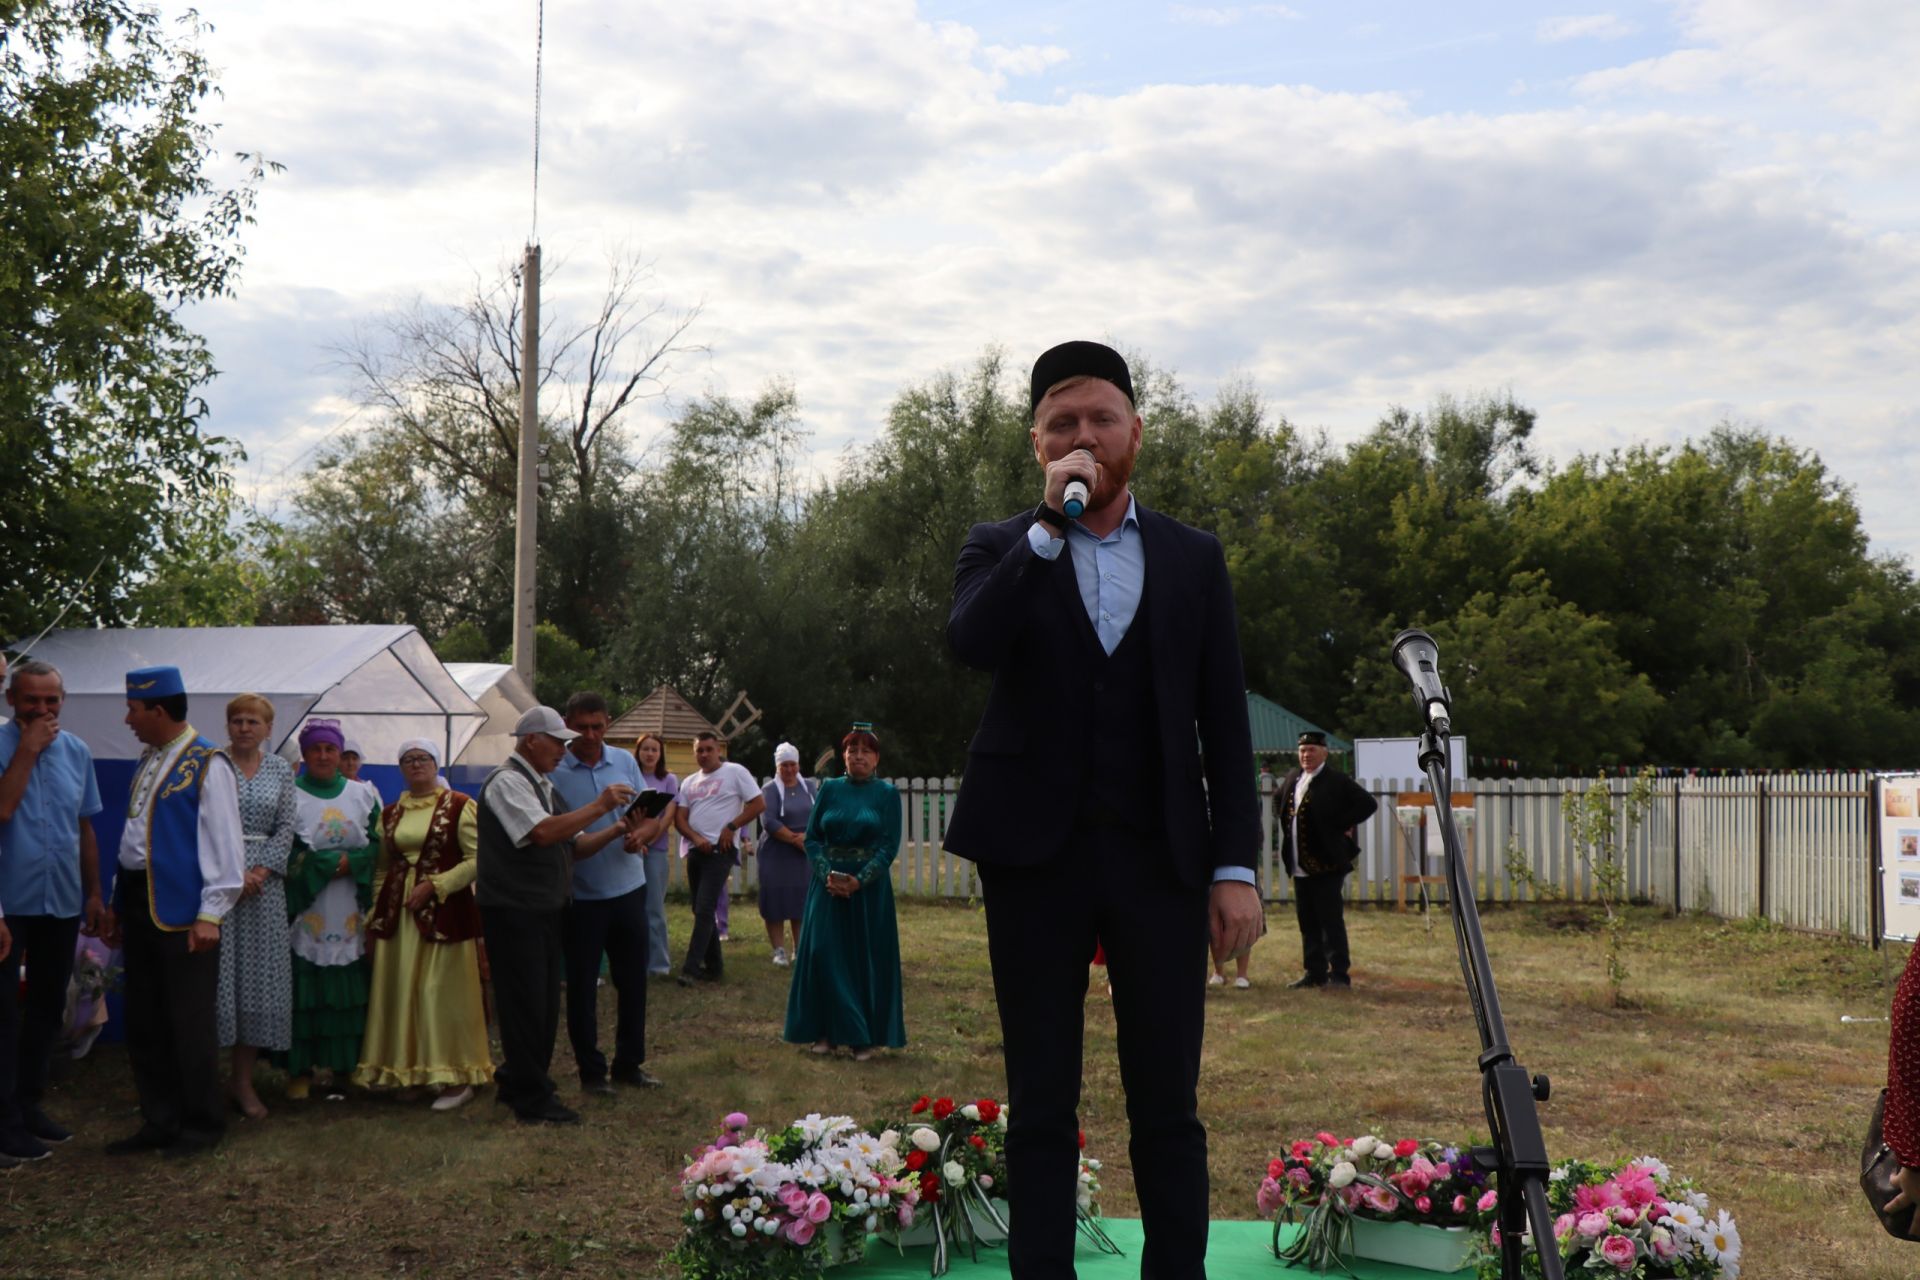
[(182, 861), (1108, 798), (50, 882)]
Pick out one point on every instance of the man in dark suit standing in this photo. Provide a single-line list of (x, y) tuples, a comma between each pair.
[(1318, 809), (1117, 693)]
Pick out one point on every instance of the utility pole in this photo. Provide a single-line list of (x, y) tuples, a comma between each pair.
[(527, 514)]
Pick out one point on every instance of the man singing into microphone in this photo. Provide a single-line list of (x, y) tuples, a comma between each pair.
[(1117, 693)]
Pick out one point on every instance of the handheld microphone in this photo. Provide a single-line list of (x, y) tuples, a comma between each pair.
[(1075, 501), (1418, 658)]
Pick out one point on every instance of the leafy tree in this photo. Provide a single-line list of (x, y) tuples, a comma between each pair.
[(110, 223), (1529, 674)]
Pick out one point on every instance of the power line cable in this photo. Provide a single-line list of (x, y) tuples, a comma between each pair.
[(539, 54)]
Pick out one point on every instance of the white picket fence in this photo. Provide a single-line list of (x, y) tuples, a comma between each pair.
[(1795, 849)]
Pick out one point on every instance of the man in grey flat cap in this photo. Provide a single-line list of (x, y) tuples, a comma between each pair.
[(527, 849)]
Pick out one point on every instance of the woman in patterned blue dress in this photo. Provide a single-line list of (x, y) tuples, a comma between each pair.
[(255, 1006)]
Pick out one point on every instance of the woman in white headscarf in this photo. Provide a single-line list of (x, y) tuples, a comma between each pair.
[(784, 873), (426, 1019)]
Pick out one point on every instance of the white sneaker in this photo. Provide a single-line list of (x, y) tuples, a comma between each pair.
[(779, 957), (1216, 980), (1242, 983), (451, 1101)]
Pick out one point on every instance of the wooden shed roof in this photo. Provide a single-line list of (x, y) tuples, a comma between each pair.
[(663, 712)]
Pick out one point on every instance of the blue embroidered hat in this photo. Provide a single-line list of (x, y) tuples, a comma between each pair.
[(155, 683)]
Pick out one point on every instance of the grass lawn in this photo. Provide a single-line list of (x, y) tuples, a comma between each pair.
[(1734, 1067)]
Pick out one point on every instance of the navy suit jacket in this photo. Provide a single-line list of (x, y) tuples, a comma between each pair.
[(1021, 618)]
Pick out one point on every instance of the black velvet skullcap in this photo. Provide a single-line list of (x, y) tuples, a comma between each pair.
[(1071, 360)]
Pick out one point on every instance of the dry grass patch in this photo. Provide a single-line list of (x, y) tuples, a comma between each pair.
[(1734, 1066)]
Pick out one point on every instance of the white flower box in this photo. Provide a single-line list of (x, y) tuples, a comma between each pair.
[(1413, 1244), (921, 1232)]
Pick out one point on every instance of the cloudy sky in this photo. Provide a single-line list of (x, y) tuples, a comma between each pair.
[(1642, 219)]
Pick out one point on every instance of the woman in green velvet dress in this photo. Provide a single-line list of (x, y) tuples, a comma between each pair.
[(336, 840), (846, 970)]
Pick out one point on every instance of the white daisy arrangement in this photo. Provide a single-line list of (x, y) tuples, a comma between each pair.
[(1634, 1219)]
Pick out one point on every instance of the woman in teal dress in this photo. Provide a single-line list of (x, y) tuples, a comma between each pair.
[(846, 970)]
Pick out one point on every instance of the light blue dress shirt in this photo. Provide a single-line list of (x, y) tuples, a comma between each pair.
[(1112, 576), (40, 846), (612, 871)]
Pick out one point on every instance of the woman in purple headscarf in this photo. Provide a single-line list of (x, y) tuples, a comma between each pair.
[(336, 840)]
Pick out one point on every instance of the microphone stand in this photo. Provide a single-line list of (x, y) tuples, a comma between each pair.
[(1519, 1151)]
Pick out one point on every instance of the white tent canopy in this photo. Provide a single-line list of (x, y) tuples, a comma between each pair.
[(503, 695), (382, 683)]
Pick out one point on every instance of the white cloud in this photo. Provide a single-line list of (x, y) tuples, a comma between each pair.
[(1026, 59), (850, 192), (1226, 16), (1589, 26)]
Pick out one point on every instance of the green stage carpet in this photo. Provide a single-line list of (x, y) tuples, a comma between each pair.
[(1235, 1251)]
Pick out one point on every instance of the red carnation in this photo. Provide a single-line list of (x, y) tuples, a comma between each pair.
[(989, 1110), (942, 1108), (1302, 1149), (916, 1158), (1276, 1168), (1405, 1147), (1083, 1139), (1326, 1139), (920, 1105), (979, 1143)]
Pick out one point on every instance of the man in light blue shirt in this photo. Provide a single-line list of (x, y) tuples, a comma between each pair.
[(608, 913), (49, 892)]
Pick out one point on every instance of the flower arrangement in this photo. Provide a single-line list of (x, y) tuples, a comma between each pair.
[(1634, 1219), (957, 1152), (1324, 1183), (791, 1203)]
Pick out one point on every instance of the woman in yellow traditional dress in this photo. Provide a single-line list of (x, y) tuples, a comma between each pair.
[(426, 1020)]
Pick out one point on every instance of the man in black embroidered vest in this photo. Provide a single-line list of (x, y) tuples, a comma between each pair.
[(525, 875), (1317, 809), (1117, 693)]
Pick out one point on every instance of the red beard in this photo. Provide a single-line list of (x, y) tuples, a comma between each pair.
[(1111, 481)]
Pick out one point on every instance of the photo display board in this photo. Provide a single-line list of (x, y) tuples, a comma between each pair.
[(1898, 807)]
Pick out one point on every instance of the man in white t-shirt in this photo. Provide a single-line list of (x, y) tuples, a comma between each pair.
[(713, 807)]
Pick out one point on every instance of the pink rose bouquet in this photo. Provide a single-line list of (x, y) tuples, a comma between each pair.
[(1324, 1182), (1635, 1219)]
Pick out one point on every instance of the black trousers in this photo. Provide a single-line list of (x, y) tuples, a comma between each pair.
[(172, 1040), (617, 928), (1042, 924), (706, 877), (1323, 924), (525, 957), (28, 1027)]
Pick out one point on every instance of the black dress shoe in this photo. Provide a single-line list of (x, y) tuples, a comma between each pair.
[(145, 1140), (1340, 980), (685, 979), (22, 1147), (1306, 980), (549, 1112), (638, 1077), (603, 1087), (45, 1129)]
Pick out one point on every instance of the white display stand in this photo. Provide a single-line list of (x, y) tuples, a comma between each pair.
[(1896, 803), (1399, 758)]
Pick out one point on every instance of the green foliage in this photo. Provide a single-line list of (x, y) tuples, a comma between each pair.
[(1711, 604), (1602, 841), (109, 224)]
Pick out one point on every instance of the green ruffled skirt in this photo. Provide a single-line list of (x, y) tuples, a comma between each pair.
[(329, 1016)]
